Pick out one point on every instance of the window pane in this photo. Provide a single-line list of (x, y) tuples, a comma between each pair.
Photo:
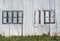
[(52, 15), (9, 14), (4, 20), (20, 14), (19, 20), (46, 19), (14, 20), (47, 14), (52, 20), (9, 20), (4, 14), (14, 14)]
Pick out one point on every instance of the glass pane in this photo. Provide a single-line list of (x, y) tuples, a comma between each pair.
[(19, 20), (9, 14), (14, 20), (20, 14), (52, 14), (4, 20), (52, 20), (4, 14), (47, 14), (9, 20), (14, 14), (46, 19)]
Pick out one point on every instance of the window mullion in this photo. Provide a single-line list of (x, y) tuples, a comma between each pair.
[(12, 16), (49, 17), (7, 17), (54, 16), (44, 18), (17, 17)]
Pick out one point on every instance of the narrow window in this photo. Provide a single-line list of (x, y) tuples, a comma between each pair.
[(9, 17), (4, 17), (39, 16)]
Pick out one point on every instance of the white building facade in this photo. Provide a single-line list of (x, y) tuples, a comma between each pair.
[(32, 19)]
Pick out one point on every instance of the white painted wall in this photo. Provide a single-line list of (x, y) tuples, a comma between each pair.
[(28, 7)]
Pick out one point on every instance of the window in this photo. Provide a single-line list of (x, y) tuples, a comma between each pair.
[(49, 17), (15, 17), (37, 17)]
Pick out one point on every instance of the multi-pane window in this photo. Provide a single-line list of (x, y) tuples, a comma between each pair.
[(49, 17), (10, 17)]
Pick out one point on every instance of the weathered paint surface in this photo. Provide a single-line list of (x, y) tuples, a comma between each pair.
[(28, 7)]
